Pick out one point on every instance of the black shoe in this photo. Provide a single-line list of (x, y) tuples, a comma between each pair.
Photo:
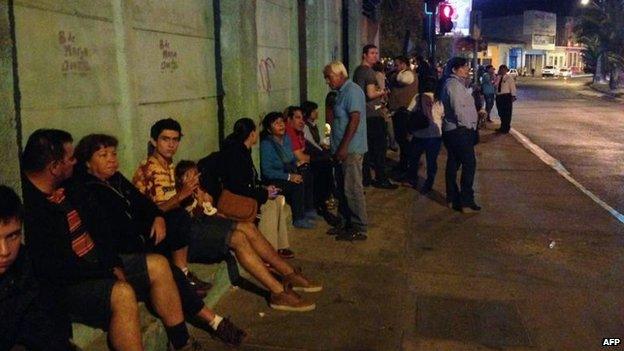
[(354, 236), (474, 208), (331, 218), (337, 231), (385, 185), (197, 284), (229, 333)]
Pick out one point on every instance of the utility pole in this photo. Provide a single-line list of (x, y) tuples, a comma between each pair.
[(431, 13)]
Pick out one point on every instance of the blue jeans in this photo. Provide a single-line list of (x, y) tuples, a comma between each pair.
[(459, 144), (431, 148), (350, 192)]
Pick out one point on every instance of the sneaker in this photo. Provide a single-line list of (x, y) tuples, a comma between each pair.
[(303, 224), (301, 283), (196, 283), (229, 333), (290, 301), (331, 218), (474, 208), (192, 345), (286, 253), (335, 231), (351, 236), (385, 185)]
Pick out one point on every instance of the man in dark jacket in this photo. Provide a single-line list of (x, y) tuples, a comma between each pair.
[(91, 283), (26, 318)]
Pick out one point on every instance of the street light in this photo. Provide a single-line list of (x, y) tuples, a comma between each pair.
[(585, 2)]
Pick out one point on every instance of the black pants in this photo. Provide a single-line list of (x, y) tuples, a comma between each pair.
[(504, 104), (322, 171), (308, 189), (295, 196), (459, 144), (399, 121), (376, 155)]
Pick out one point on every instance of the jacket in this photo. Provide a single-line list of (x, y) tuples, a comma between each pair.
[(402, 94), (276, 160), (26, 318), (47, 238), (122, 215), (239, 174)]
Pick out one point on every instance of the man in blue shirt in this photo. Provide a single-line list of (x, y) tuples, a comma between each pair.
[(348, 145)]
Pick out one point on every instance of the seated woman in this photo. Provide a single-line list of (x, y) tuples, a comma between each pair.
[(239, 176), (279, 167), (134, 220), (320, 163), (250, 247)]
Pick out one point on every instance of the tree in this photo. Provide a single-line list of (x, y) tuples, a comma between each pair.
[(399, 17), (601, 29)]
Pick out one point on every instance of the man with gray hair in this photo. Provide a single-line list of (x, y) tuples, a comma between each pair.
[(348, 145)]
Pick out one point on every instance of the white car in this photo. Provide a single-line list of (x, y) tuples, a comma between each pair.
[(550, 71), (565, 73)]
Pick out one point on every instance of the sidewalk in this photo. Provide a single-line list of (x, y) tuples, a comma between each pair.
[(540, 268)]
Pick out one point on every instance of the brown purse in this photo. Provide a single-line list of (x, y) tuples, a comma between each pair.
[(237, 207)]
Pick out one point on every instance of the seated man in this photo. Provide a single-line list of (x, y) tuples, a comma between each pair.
[(91, 283), (212, 241), (26, 320)]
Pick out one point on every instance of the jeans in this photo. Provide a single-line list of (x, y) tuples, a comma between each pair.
[(489, 103), (376, 155), (431, 148), (295, 196), (459, 144), (350, 193)]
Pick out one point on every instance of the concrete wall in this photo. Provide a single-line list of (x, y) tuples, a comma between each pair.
[(116, 66), (9, 171)]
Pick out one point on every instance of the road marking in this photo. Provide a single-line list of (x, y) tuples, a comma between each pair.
[(557, 166)]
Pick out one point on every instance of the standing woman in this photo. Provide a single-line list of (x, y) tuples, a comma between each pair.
[(427, 140), (489, 91), (240, 177), (279, 167), (459, 133)]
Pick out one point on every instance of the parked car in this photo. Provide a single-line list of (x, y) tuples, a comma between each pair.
[(549, 71), (565, 73), (513, 72)]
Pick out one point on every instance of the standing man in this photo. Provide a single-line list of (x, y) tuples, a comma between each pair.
[(459, 133), (505, 96), (364, 76), (348, 145), (489, 90)]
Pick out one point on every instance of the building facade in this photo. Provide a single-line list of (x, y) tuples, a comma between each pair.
[(116, 66)]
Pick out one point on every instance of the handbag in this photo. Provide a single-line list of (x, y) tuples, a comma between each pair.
[(237, 207), (417, 119)]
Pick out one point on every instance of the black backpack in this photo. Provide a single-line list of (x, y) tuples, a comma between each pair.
[(417, 119), (211, 180)]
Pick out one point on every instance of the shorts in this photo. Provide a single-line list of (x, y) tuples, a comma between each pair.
[(89, 301), (210, 239)]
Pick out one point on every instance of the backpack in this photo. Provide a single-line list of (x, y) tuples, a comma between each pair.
[(417, 119), (211, 180)]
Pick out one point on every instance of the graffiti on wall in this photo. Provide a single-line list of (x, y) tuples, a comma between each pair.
[(265, 67), (169, 56), (334, 54), (75, 56)]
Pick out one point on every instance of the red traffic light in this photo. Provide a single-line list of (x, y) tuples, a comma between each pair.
[(446, 10)]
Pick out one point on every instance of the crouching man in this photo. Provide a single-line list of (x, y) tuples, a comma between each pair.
[(26, 321), (91, 283)]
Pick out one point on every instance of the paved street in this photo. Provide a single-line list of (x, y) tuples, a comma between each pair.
[(540, 268), (585, 133)]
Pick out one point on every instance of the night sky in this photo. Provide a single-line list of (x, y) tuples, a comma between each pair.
[(494, 8)]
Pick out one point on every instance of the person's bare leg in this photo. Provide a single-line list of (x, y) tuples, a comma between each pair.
[(125, 327), (163, 291), (249, 259), (206, 314), (263, 248), (180, 258)]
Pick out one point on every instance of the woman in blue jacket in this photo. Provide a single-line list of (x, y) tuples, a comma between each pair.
[(279, 166)]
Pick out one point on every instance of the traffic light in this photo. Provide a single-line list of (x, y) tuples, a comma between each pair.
[(445, 14)]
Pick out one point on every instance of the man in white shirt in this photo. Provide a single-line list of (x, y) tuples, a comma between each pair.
[(505, 96)]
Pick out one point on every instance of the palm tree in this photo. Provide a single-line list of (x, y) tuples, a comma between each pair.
[(601, 29)]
